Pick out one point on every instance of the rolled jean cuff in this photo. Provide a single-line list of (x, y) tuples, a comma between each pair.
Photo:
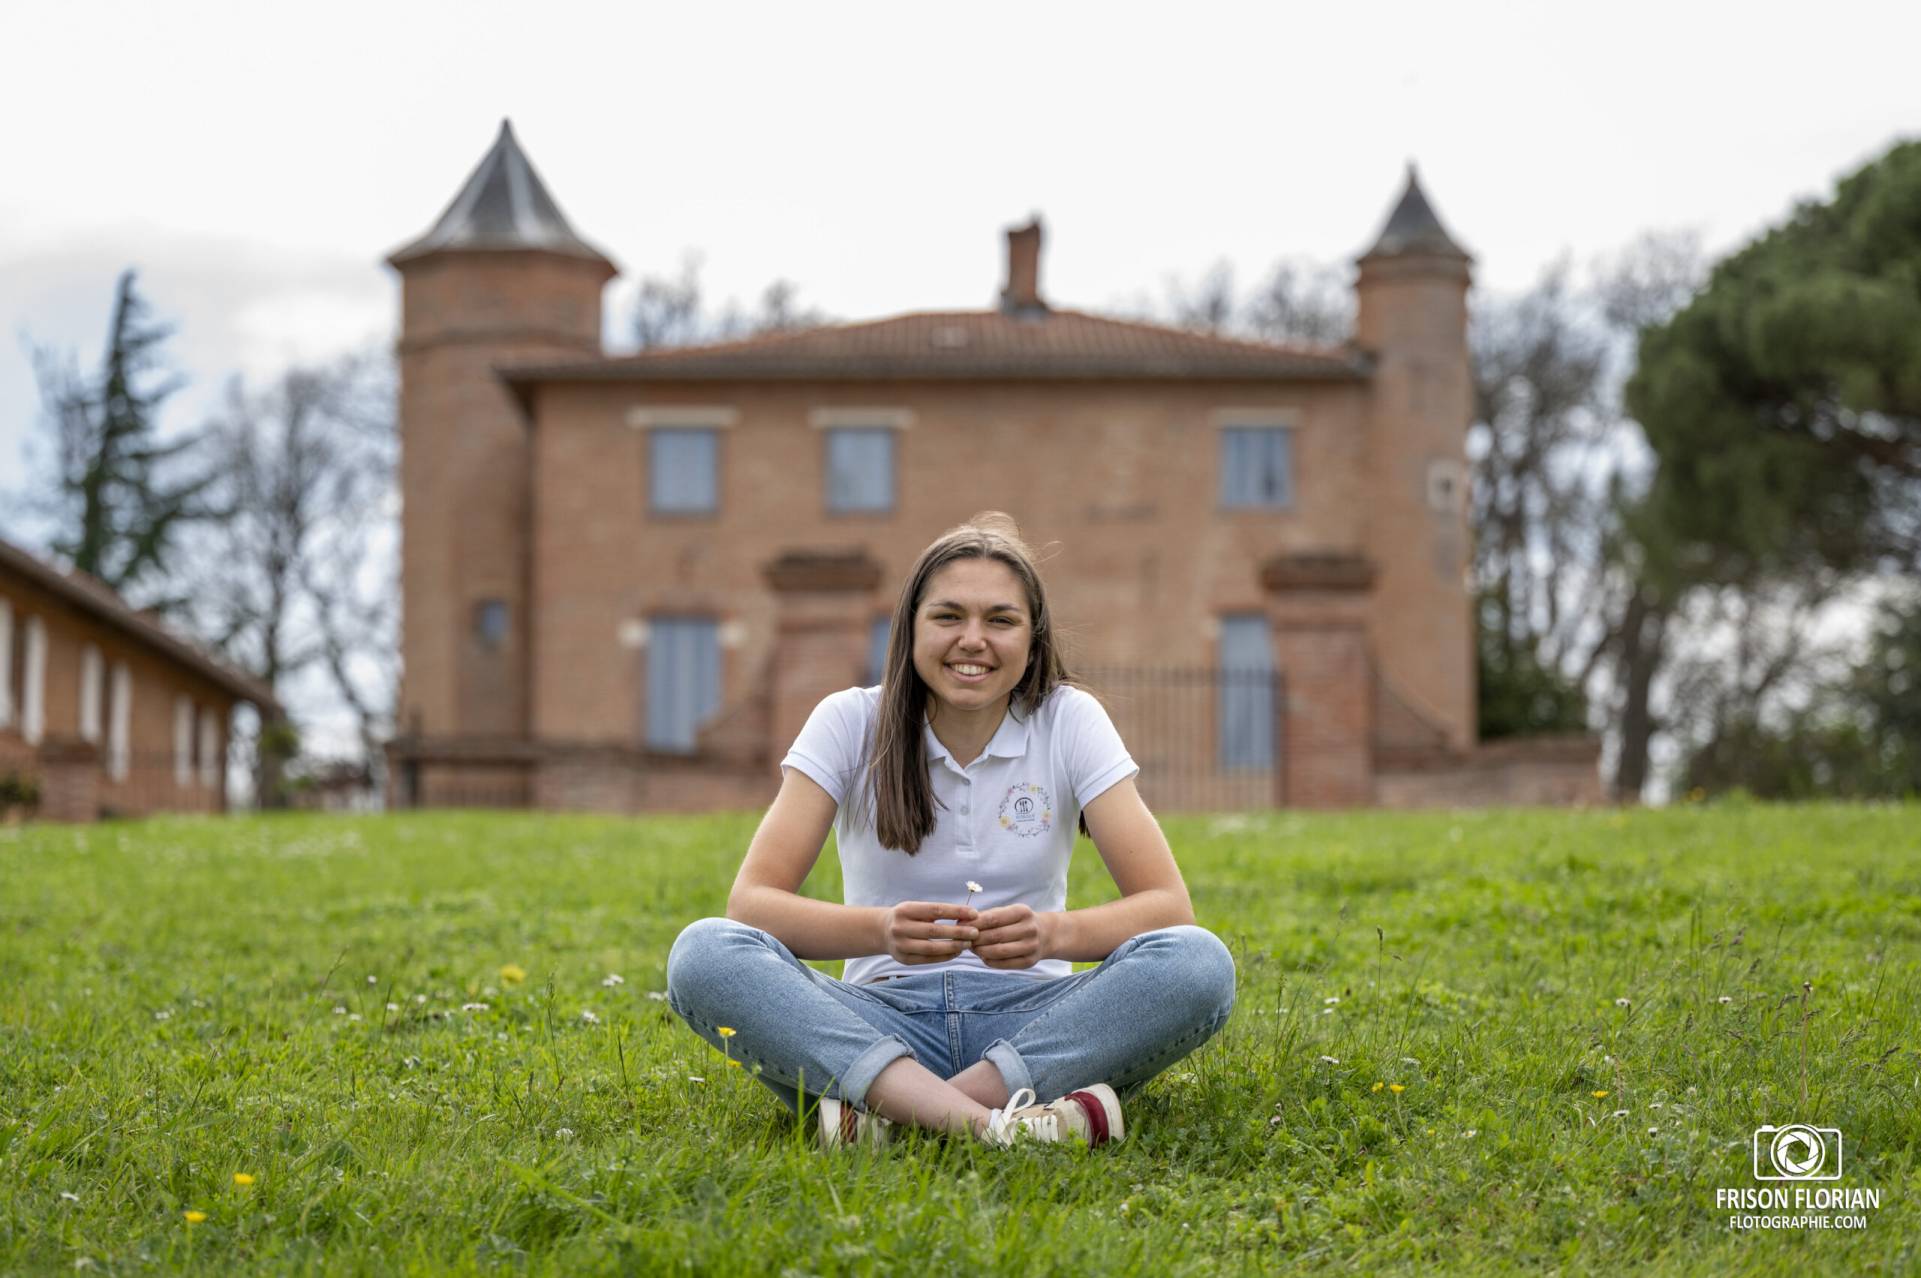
[(1013, 1069), (867, 1067)]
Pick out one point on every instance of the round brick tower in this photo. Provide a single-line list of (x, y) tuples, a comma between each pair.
[(500, 279), (1412, 296)]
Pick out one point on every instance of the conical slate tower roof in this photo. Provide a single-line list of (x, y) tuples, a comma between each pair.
[(1413, 228), (504, 205)]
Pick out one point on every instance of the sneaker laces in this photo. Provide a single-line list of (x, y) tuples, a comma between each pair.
[(1007, 1123)]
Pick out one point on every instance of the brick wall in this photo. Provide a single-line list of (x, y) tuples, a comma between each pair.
[(1558, 771), (1413, 317), (157, 682), (1119, 484), (464, 471)]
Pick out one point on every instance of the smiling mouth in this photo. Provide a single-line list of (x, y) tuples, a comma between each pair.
[(969, 672)]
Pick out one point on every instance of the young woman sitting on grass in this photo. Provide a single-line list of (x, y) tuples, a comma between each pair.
[(955, 790)]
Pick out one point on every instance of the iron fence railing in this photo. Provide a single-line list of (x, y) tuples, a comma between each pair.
[(1206, 739)]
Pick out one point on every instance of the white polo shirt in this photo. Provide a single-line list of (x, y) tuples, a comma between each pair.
[(1007, 820)]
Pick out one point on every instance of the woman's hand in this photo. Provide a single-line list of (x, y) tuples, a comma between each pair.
[(1014, 936), (915, 935)]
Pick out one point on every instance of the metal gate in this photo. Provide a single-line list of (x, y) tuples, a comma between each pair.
[(1206, 739)]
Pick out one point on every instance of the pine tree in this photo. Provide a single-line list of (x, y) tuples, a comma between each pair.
[(1784, 402), (121, 499)]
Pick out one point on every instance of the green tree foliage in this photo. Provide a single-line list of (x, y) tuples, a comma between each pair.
[(120, 502), (1860, 738), (1518, 695), (1784, 402)]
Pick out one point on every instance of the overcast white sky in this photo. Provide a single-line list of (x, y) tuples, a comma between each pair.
[(257, 161)]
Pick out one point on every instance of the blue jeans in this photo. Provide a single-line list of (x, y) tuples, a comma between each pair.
[(1156, 998)]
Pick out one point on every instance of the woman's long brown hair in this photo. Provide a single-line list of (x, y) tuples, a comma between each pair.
[(896, 791)]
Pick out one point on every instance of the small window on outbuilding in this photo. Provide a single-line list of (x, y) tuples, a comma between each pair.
[(1446, 485), (490, 623)]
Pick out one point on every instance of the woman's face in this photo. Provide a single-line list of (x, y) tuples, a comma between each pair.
[(972, 634)]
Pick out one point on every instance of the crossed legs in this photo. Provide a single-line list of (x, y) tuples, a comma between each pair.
[(797, 1026)]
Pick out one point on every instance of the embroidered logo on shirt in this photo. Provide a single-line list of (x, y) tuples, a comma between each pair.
[(1027, 810)]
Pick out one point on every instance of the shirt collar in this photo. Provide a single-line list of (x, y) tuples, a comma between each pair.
[(1008, 742)]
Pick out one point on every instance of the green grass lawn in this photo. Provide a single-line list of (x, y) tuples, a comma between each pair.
[(1469, 1041)]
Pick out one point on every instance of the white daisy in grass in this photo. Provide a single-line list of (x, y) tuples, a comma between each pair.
[(612, 979), (587, 1016), (1624, 1002), (1330, 1060), (473, 1007)]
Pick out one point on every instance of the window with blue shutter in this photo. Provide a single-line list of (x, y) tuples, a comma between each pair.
[(877, 636), (1257, 467), (683, 680), (683, 470), (860, 469), (1247, 692)]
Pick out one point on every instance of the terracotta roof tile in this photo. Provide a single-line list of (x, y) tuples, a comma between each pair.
[(967, 345), (94, 597)]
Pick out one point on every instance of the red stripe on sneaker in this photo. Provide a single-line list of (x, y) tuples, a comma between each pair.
[(1096, 1116), (849, 1123)]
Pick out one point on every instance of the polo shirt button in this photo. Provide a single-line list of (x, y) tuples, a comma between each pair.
[(965, 809)]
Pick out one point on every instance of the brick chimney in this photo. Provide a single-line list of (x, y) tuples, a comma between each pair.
[(1022, 296)]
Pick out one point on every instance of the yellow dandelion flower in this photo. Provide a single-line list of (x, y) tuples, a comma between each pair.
[(1397, 1088), (194, 1217), (732, 1063), (726, 1031), (1601, 1095), (1379, 1086), (242, 1178), (512, 973)]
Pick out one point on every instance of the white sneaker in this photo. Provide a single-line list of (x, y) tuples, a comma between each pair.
[(1091, 1115), (841, 1125)]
